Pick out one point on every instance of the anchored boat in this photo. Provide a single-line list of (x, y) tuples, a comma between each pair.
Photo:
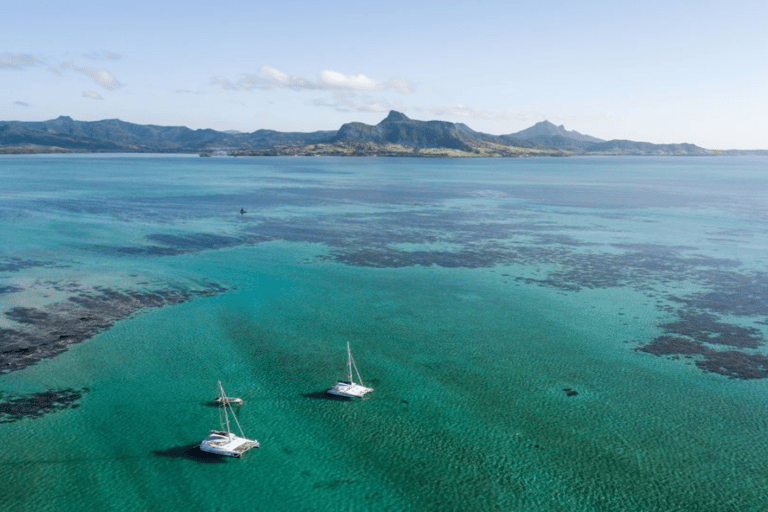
[(349, 388), (228, 400), (224, 442)]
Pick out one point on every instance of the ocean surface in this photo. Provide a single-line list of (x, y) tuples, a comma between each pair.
[(551, 334)]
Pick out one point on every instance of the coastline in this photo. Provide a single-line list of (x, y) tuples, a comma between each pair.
[(395, 135), (341, 150)]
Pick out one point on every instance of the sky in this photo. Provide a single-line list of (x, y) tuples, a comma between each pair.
[(662, 71)]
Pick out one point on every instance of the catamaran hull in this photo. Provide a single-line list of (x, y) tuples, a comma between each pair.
[(228, 445), (348, 390), (223, 453), (228, 400)]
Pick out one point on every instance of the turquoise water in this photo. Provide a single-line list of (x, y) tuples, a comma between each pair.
[(474, 293)]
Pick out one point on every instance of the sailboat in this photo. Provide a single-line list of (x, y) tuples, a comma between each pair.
[(349, 388), (224, 442), (220, 400)]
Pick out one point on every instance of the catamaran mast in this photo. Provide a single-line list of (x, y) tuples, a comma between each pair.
[(224, 405), (226, 415), (349, 363), (234, 417)]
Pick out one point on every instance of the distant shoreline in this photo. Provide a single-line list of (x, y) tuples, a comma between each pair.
[(395, 136), (433, 153)]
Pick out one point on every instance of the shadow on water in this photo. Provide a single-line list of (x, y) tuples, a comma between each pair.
[(322, 395), (191, 452)]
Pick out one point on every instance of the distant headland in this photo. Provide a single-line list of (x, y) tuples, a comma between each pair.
[(395, 135)]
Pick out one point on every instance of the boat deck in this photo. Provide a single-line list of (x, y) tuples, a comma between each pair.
[(349, 389), (246, 445), (228, 400), (230, 445)]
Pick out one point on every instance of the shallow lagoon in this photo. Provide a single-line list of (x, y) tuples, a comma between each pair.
[(478, 295)]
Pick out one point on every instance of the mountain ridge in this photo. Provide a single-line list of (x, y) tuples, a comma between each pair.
[(544, 129), (395, 135)]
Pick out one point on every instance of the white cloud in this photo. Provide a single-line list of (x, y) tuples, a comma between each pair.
[(335, 80), (270, 77), (92, 95), (18, 61), (276, 75), (328, 80), (281, 79), (21, 103), (101, 76)]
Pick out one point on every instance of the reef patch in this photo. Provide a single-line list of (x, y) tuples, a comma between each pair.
[(47, 331), (704, 328), (39, 404), (17, 264), (693, 335), (10, 289), (731, 363)]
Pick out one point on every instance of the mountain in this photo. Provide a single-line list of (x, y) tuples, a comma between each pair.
[(545, 130), (628, 147), (424, 137), (395, 135), (107, 135), (116, 135), (272, 138), (396, 128)]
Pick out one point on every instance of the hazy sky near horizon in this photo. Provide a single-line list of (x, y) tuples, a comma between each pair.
[(655, 71)]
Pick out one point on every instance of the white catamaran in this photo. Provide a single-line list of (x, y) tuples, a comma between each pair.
[(349, 388), (224, 442)]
